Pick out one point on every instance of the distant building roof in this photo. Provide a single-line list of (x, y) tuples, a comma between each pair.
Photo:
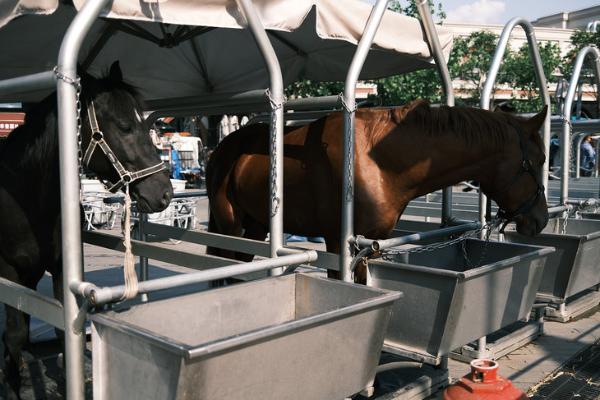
[(578, 19)]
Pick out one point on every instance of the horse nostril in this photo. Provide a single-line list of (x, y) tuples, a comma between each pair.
[(166, 199)]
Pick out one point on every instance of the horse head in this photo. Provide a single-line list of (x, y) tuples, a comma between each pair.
[(517, 182), (115, 143)]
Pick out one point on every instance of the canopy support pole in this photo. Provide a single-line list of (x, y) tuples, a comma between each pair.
[(349, 103), (69, 179), (276, 99), (438, 55)]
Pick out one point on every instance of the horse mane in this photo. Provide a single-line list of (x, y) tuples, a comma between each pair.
[(475, 126), (34, 145)]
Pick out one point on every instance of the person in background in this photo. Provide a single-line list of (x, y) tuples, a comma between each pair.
[(588, 157)]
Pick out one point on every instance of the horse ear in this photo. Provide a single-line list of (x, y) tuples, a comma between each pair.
[(534, 123), (115, 73), (399, 113)]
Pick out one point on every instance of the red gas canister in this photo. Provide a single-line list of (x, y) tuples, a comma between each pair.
[(483, 383)]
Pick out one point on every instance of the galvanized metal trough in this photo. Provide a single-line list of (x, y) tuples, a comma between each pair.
[(448, 303), (291, 337), (575, 266)]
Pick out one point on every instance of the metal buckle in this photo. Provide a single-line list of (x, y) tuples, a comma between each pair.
[(97, 136)]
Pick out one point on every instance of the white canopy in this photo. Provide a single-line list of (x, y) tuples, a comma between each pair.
[(199, 47)]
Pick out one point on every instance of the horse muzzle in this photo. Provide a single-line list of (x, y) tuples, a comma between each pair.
[(153, 193)]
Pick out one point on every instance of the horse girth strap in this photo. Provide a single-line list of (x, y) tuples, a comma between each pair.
[(97, 140)]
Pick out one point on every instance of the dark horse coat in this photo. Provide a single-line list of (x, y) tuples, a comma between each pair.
[(30, 234)]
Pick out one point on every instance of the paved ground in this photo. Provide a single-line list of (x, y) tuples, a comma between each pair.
[(526, 367)]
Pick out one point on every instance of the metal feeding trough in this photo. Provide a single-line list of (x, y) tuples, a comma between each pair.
[(447, 302), (290, 337), (573, 268)]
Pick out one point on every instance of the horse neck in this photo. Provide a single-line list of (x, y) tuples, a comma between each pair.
[(430, 162), (30, 154)]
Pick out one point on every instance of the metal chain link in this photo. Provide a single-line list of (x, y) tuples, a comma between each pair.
[(492, 225), (77, 83), (349, 112), (275, 200), (489, 228), (563, 229)]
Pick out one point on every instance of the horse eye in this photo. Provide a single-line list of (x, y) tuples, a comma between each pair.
[(124, 126)]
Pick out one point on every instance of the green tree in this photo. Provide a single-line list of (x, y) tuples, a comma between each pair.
[(393, 90), (520, 74), (470, 61)]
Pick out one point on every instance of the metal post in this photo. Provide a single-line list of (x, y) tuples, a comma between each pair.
[(486, 96), (539, 72), (143, 273), (438, 55), (276, 151), (566, 117), (69, 179), (349, 103), (481, 345)]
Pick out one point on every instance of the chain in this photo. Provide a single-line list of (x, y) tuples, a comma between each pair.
[(563, 229), (490, 226), (77, 83), (275, 105), (349, 112)]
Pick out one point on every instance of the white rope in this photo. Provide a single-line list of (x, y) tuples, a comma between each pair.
[(129, 274)]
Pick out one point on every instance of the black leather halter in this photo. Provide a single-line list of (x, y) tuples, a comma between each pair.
[(97, 140), (526, 168)]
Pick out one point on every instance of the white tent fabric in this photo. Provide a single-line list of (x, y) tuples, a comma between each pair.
[(203, 49)]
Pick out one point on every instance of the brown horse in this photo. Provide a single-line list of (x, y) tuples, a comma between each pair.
[(400, 154)]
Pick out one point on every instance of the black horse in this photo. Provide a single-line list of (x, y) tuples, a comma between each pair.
[(30, 233)]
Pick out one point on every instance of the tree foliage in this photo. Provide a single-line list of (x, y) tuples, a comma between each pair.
[(469, 63)]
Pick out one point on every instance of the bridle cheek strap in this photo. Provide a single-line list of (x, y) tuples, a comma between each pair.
[(97, 140)]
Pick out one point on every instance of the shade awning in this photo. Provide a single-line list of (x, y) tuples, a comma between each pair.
[(182, 48)]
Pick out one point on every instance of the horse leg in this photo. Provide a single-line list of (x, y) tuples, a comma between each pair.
[(14, 338)]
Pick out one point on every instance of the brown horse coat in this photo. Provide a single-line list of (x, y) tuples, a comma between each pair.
[(400, 153)]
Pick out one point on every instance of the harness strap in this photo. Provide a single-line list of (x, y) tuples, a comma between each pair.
[(97, 140), (525, 168)]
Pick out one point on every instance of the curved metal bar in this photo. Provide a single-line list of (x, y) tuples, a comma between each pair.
[(438, 56), (276, 151), (566, 117), (349, 103), (69, 179), (541, 78)]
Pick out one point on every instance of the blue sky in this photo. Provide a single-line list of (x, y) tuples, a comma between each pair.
[(500, 11)]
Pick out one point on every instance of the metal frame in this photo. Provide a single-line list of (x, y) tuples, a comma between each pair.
[(486, 100), (349, 105), (541, 78), (566, 117), (72, 311)]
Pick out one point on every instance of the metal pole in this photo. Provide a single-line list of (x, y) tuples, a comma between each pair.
[(349, 103), (28, 83), (69, 179), (104, 295), (539, 73), (438, 55), (276, 151), (566, 117), (143, 274), (486, 96), (415, 237)]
